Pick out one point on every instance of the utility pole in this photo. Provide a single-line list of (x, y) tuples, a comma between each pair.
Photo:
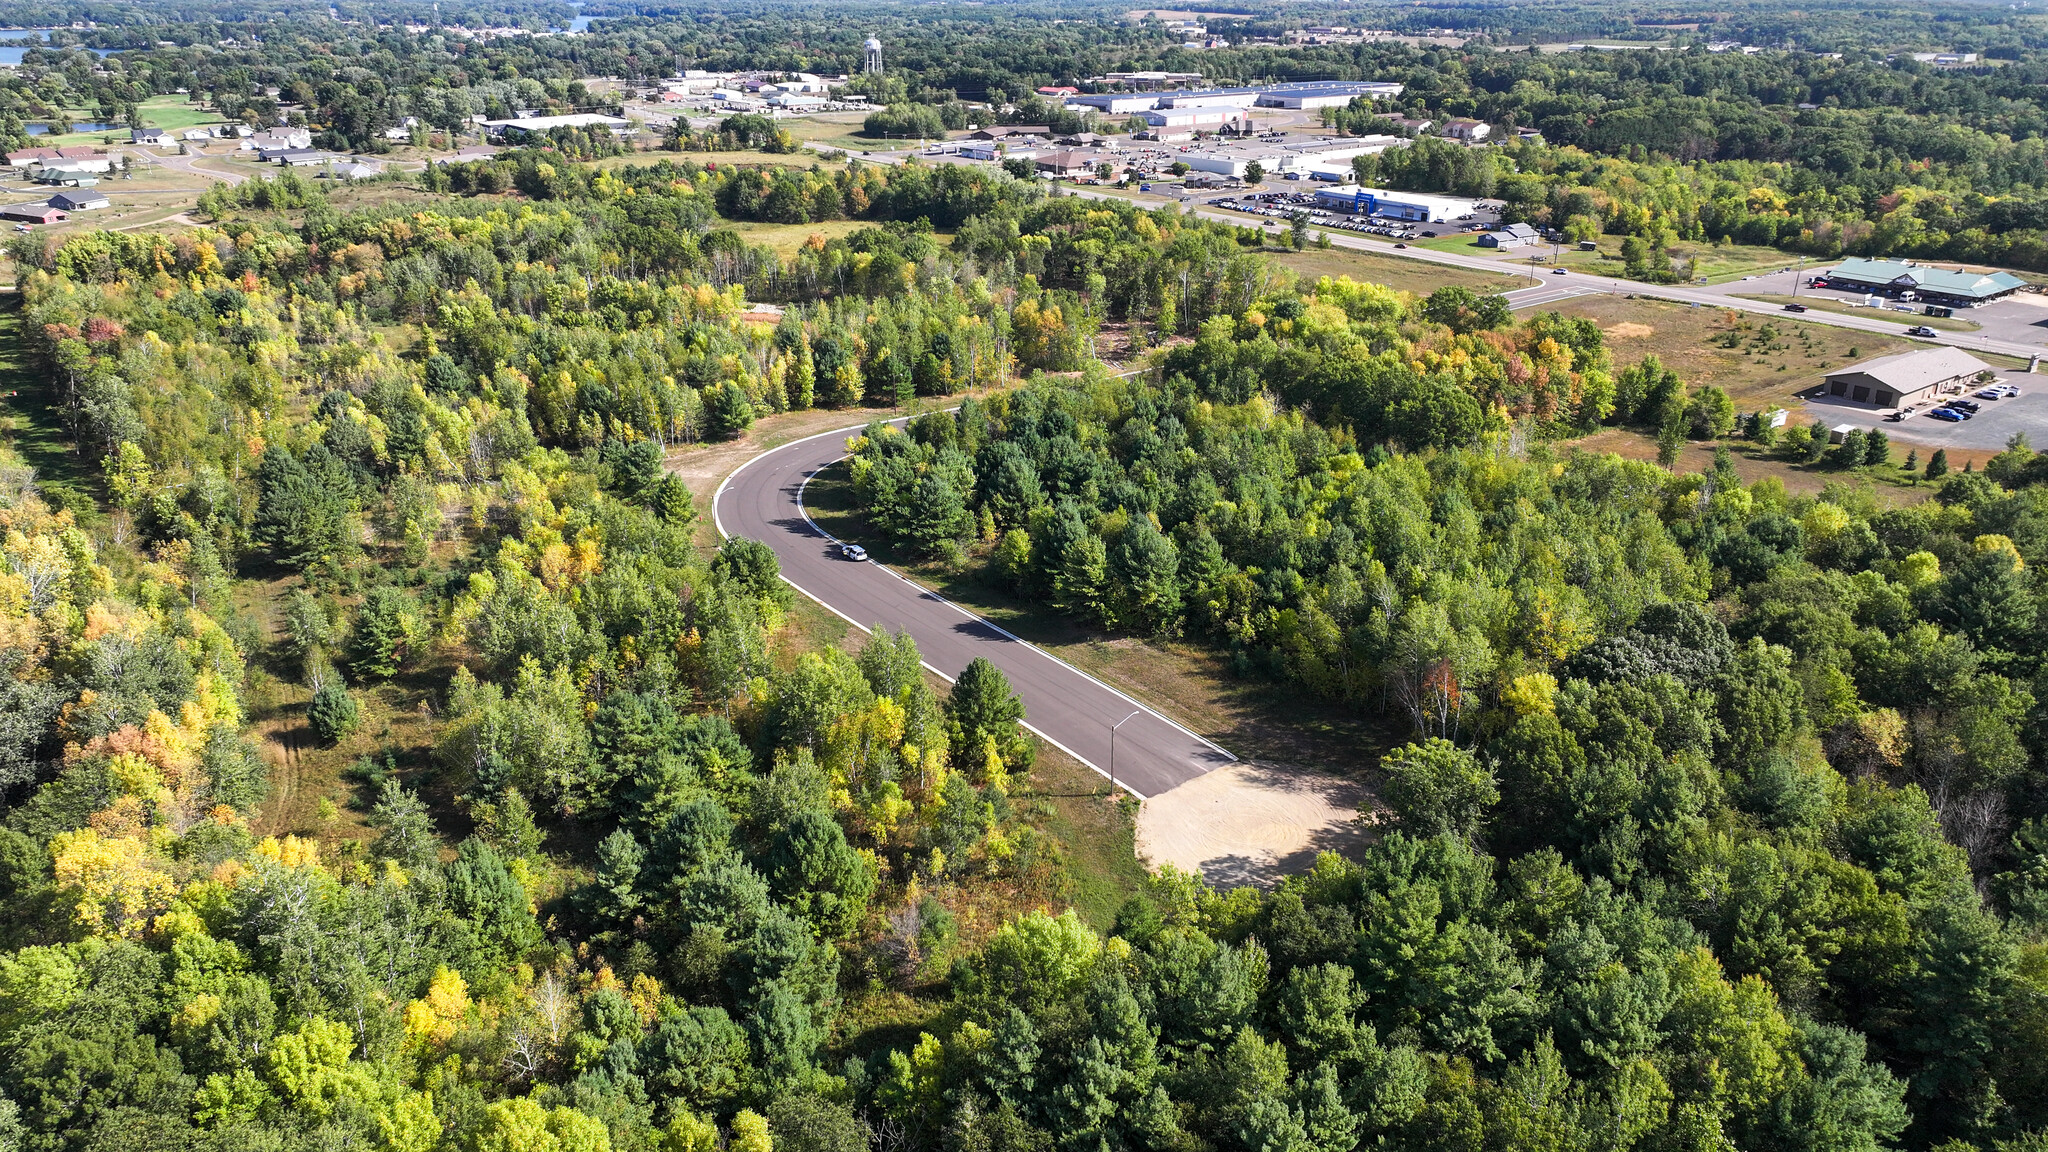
[(1112, 750)]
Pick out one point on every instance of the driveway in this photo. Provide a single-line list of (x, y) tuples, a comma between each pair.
[(763, 500)]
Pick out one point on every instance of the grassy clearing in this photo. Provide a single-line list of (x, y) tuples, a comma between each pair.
[(1891, 483), (31, 434), (1829, 304), (1771, 360), (1394, 271), (785, 239), (1716, 262)]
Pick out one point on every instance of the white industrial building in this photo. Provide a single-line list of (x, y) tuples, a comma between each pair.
[(1306, 94), (1306, 155), (1115, 103), (1412, 206), (619, 125), (1325, 94), (1211, 98), (1171, 122)]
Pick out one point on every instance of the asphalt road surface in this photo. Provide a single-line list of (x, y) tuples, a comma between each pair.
[(763, 500)]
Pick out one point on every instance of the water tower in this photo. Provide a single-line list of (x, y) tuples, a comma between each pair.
[(871, 57)]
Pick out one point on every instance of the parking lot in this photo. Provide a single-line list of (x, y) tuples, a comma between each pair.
[(1282, 206), (1992, 426)]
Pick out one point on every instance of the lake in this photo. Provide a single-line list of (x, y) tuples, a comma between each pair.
[(12, 54)]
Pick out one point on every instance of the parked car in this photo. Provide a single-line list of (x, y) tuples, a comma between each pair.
[(853, 552), (1919, 330), (1950, 415), (1966, 405), (1993, 393), (1795, 307)]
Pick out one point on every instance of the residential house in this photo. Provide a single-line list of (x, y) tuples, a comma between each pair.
[(151, 137), (276, 138), (1469, 131)]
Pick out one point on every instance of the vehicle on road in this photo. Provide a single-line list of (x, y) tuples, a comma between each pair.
[(1950, 415), (1557, 272), (1795, 307), (1400, 245), (853, 552), (1919, 330)]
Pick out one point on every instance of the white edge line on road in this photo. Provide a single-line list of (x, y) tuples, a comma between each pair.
[(718, 522)]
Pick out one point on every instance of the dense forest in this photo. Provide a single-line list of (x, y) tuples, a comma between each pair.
[(1770, 869), (1713, 817)]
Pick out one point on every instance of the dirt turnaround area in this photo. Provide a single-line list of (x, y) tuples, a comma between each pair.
[(1252, 823)]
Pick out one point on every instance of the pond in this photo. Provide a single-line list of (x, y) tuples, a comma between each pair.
[(76, 126)]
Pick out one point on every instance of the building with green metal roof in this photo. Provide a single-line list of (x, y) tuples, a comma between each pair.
[(1923, 281)]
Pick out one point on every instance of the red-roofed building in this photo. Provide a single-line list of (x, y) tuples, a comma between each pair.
[(33, 213), (27, 156), (1058, 90)]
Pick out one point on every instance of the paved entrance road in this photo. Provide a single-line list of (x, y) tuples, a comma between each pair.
[(763, 500)]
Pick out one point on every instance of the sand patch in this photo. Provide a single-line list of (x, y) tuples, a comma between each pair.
[(1629, 330), (1252, 823)]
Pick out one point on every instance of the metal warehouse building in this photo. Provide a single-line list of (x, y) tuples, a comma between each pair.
[(1907, 378)]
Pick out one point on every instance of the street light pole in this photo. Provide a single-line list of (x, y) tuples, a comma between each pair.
[(1112, 749)]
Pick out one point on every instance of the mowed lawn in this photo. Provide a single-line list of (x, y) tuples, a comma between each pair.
[(172, 113)]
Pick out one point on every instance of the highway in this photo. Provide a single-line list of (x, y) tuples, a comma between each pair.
[(763, 500)]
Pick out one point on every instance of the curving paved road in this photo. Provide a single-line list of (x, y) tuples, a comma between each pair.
[(763, 500)]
